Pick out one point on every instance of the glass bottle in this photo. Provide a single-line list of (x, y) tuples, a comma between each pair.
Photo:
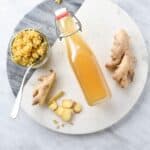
[(81, 58)]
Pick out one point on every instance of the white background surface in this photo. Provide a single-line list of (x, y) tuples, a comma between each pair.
[(131, 133)]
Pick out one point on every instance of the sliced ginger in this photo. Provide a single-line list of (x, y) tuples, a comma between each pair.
[(66, 110), (77, 108), (41, 92), (56, 97), (53, 106), (67, 114), (67, 103), (59, 111), (122, 62)]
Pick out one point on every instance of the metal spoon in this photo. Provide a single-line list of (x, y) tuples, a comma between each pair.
[(36, 65), (17, 104)]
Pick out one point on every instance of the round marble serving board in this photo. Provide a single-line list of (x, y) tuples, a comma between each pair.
[(100, 19)]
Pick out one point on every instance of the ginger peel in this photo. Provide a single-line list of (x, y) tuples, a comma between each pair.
[(41, 92), (122, 61)]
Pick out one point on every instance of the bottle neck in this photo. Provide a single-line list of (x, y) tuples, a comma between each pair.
[(66, 25)]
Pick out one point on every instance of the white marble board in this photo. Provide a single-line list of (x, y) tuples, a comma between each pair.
[(100, 19)]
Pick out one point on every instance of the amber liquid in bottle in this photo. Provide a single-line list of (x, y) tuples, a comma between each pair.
[(83, 63)]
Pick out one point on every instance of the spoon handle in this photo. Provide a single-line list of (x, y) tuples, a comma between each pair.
[(18, 99)]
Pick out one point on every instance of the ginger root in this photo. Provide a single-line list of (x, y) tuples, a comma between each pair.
[(122, 61), (41, 92)]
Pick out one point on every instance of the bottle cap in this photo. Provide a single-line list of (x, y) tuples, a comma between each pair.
[(60, 13)]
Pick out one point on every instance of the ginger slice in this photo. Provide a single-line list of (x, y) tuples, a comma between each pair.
[(66, 110), (66, 103), (59, 111), (67, 115), (56, 97), (122, 61), (77, 108), (53, 106), (41, 92)]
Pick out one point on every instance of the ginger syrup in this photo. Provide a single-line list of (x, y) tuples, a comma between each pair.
[(82, 60)]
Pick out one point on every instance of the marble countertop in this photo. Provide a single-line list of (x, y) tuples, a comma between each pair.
[(131, 133)]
